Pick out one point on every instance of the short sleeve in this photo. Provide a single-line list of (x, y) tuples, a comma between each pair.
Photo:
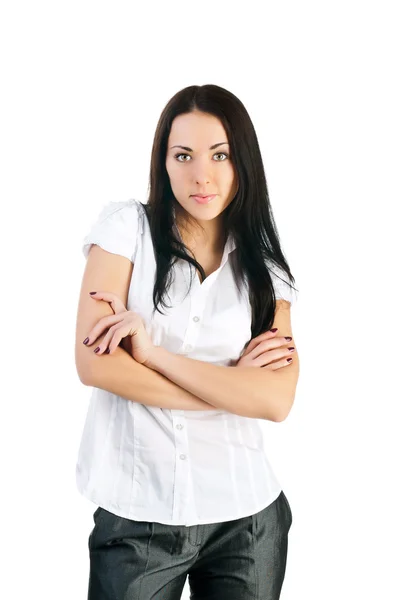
[(281, 284), (115, 229)]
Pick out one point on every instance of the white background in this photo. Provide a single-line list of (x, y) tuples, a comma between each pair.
[(83, 85)]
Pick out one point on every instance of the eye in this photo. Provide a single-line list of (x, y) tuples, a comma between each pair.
[(177, 156), (222, 154), (216, 154)]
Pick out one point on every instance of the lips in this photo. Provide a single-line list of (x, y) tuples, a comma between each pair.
[(203, 199)]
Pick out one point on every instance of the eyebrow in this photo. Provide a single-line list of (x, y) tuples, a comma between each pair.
[(191, 150)]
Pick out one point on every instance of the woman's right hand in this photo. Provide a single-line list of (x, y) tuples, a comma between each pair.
[(123, 324), (267, 350)]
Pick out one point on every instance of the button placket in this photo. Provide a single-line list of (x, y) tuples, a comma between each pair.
[(198, 301), (182, 475)]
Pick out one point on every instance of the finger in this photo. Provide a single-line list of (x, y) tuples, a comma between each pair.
[(101, 326), (119, 334), (267, 345), (268, 356), (112, 339), (115, 302), (259, 338), (263, 347), (285, 362)]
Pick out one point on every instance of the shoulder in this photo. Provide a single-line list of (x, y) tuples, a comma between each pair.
[(122, 211), (116, 228)]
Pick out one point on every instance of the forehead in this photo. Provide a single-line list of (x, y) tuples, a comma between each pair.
[(197, 129)]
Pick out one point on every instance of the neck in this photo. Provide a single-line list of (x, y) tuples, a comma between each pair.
[(206, 236)]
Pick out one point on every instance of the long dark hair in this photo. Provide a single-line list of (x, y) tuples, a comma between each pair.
[(248, 218)]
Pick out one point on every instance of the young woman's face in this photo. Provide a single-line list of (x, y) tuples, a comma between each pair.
[(200, 169)]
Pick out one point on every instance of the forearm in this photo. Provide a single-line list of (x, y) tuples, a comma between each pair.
[(245, 391), (120, 374)]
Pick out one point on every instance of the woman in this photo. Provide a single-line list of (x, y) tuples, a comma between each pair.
[(173, 291)]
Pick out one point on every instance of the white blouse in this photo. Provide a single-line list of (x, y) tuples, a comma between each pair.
[(178, 467)]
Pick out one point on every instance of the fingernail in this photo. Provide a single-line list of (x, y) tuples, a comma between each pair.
[(288, 339), (91, 293), (274, 330), (97, 349), (289, 359), (86, 341), (107, 351)]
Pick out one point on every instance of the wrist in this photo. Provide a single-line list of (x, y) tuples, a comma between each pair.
[(154, 357)]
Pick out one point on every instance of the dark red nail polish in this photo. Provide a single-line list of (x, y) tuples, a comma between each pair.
[(91, 293), (97, 349), (288, 339), (274, 330), (107, 351), (289, 359), (86, 341)]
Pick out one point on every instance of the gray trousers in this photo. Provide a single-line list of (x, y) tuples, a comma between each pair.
[(244, 559)]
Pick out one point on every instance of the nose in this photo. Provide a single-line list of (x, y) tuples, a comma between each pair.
[(201, 172), (200, 181)]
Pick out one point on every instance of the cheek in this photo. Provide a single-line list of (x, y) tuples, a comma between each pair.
[(174, 172), (176, 180), (172, 168), (230, 176)]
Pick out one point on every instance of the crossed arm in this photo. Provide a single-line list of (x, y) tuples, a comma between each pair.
[(175, 381), (247, 391)]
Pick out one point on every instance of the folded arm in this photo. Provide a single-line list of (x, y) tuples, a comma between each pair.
[(119, 373), (175, 382), (246, 391)]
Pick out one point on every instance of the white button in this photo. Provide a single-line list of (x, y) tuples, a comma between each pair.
[(182, 456), (196, 319), (188, 347), (179, 426)]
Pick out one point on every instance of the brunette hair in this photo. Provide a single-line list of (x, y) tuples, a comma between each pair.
[(249, 217)]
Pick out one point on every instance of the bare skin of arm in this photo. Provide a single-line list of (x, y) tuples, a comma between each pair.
[(260, 393), (119, 373), (246, 391)]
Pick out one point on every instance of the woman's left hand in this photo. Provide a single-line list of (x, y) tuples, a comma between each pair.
[(121, 324)]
